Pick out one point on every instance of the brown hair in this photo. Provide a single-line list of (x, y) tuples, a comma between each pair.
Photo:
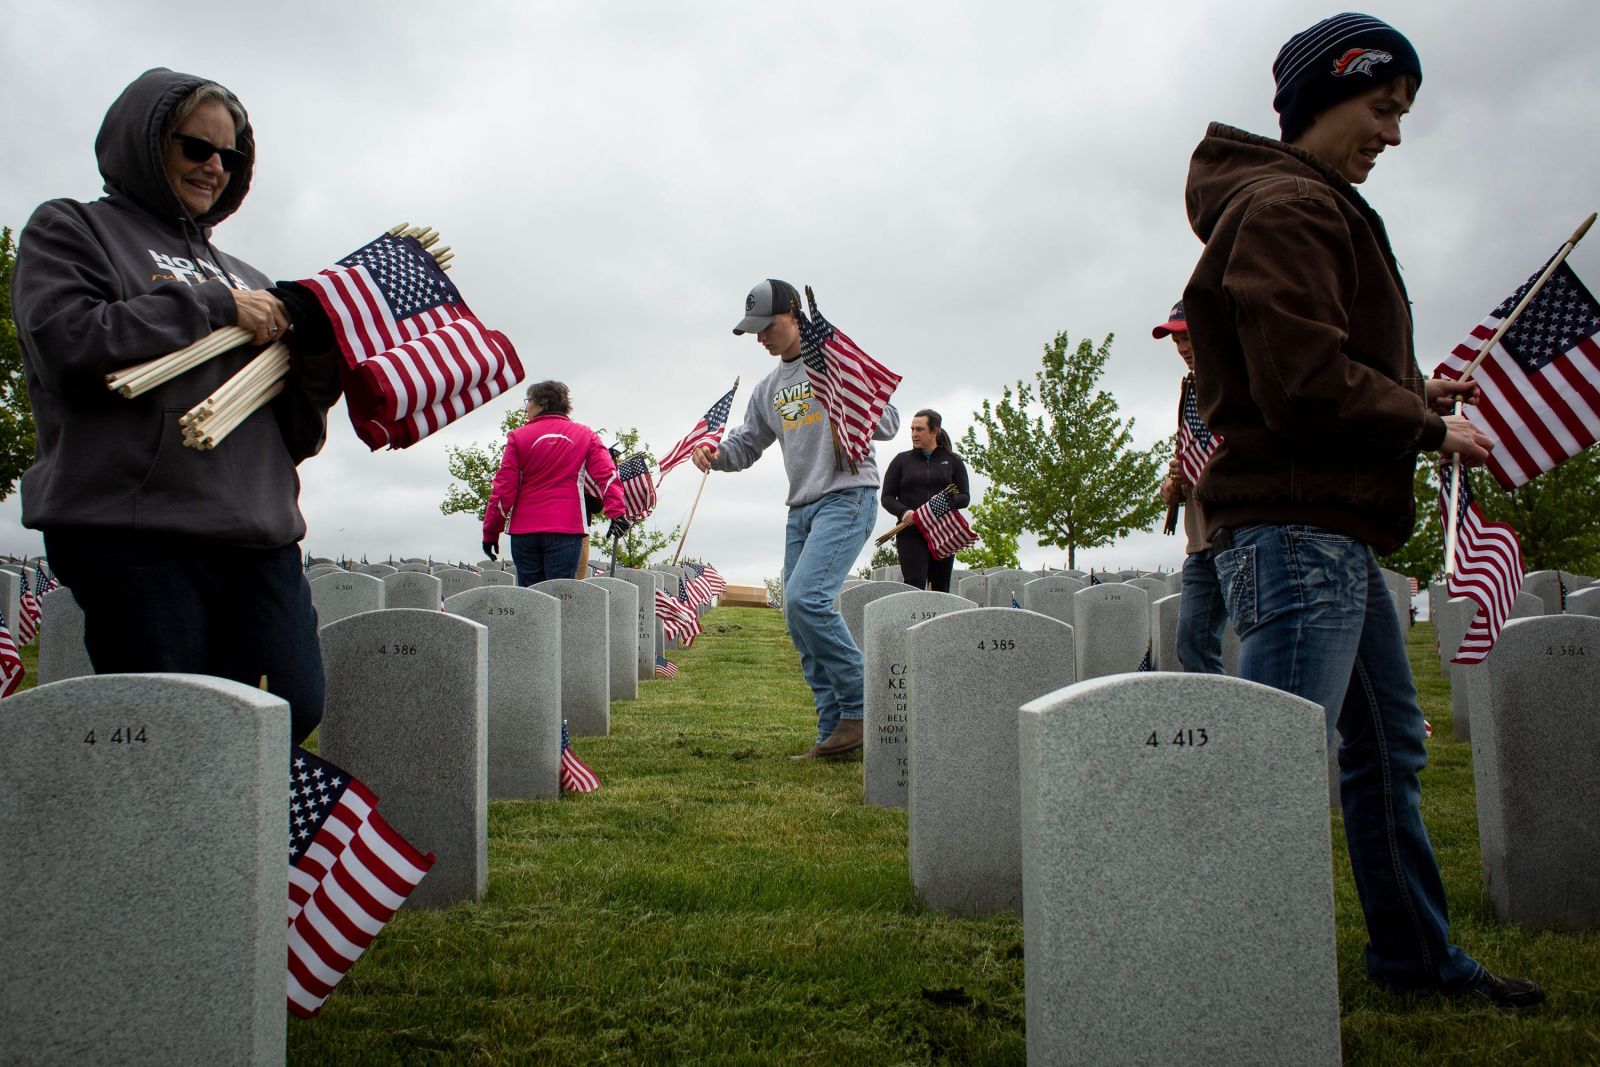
[(552, 397), (935, 423)]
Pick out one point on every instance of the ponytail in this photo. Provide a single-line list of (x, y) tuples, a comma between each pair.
[(936, 424)]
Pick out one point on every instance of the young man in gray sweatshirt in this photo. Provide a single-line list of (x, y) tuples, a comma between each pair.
[(831, 511)]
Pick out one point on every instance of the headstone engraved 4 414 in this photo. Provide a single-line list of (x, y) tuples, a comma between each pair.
[(969, 672), (1177, 879), (143, 824), (408, 714)]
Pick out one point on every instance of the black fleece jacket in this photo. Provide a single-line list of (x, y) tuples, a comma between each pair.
[(913, 478)]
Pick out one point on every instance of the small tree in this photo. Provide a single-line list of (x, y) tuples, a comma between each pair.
[(1069, 465), (886, 556), (16, 413), (474, 466), (998, 524)]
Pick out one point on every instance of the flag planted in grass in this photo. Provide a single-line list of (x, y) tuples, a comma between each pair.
[(678, 619), (28, 613), (665, 668), (11, 670), (575, 776), (349, 871), (1488, 568), (416, 357), (703, 585)]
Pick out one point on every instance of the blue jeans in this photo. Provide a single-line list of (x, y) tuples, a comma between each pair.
[(160, 602), (823, 539), (1202, 616), (1315, 619), (542, 556)]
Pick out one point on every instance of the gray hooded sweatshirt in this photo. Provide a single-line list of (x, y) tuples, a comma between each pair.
[(98, 287)]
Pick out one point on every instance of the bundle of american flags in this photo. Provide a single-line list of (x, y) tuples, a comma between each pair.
[(11, 670), (1540, 384), (1488, 568), (678, 619), (708, 431), (943, 526), (575, 776), (349, 871), (852, 387), (416, 358), (703, 585), (1196, 442)]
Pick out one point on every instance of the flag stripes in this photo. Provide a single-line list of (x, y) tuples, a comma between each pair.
[(1488, 568), (944, 528), (708, 431), (852, 387)]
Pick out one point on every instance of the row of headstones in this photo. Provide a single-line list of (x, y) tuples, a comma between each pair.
[(1167, 836)]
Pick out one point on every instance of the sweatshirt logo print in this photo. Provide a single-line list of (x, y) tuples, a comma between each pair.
[(1359, 61), (190, 271), (793, 405)]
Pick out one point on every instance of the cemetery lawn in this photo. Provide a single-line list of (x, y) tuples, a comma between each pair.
[(716, 903)]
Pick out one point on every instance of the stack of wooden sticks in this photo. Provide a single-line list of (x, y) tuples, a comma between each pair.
[(207, 423)]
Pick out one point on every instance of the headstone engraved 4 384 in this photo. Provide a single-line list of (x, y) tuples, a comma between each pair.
[(408, 714), (969, 672), (144, 825), (885, 754), (1177, 879), (1533, 755)]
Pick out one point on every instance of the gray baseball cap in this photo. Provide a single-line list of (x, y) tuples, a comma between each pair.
[(767, 300)]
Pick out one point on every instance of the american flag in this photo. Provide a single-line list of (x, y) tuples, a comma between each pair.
[(44, 583), (1146, 664), (349, 871), (1196, 442), (575, 777), (416, 358), (28, 612), (708, 431), (1541, 384), (11, 671), (1092, 579), (678, 619), (704, 584), (1488, 568), (852, 387), (665, 668), (638, 490), (1411, 583), (944, 528)]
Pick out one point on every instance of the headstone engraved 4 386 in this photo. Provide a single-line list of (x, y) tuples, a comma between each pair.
[(144, 827), (524, 687), (1177, 879), (408, 714), (970, 671), (1534, 758), (885, 754)]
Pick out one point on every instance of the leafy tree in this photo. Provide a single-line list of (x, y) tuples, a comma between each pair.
[(997, 521), (886, 556), (1067, 464), (1553, 516), (474, 466), (16, 414)]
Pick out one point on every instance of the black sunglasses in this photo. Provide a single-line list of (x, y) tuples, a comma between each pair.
[(199, 150)]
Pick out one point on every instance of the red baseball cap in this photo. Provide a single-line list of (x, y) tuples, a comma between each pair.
[(1175, 323)]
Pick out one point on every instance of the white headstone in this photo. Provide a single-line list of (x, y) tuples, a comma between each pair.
[(61, 650), (336, 596), (623, 628), (1112, 626), (412, 589), (585, 654)]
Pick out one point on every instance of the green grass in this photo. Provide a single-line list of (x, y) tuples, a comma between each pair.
[(716, 903)]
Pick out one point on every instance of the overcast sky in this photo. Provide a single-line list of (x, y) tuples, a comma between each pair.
[(957, 181)]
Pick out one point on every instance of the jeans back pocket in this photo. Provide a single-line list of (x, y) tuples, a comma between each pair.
[(1236, 574)]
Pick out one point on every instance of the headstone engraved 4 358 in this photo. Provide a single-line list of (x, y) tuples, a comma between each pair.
[(1177, 879), (144, 827)]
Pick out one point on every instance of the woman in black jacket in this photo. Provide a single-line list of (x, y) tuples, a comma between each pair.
[(914, 477)]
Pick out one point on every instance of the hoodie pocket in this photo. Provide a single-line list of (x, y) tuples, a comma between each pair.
[(245, 491)]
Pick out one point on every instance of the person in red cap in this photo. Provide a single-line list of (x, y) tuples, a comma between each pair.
[(1202, 615)]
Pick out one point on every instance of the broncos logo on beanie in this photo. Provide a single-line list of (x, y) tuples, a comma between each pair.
[(1359, 61)]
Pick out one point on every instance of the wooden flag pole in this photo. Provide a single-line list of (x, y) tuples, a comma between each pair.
[(704, 475), (1452, 531)]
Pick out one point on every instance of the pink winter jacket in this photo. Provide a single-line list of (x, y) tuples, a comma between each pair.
[(538, 489)]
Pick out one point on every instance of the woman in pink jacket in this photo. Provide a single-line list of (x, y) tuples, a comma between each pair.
[(538, 490)]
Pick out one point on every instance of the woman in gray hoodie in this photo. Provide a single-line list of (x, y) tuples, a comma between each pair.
[(182, 560)]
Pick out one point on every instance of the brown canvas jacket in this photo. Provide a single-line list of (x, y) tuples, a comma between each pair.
[(1303, 351)]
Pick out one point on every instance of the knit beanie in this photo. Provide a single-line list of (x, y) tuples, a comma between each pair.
[(1336, 59)]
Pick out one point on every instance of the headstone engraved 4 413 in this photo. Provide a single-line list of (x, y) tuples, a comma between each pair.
[(1177, 879)]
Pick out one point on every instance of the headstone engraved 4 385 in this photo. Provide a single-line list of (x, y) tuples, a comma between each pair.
[(408, 714), (144, 827), (1177, 879), (970, 671)]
